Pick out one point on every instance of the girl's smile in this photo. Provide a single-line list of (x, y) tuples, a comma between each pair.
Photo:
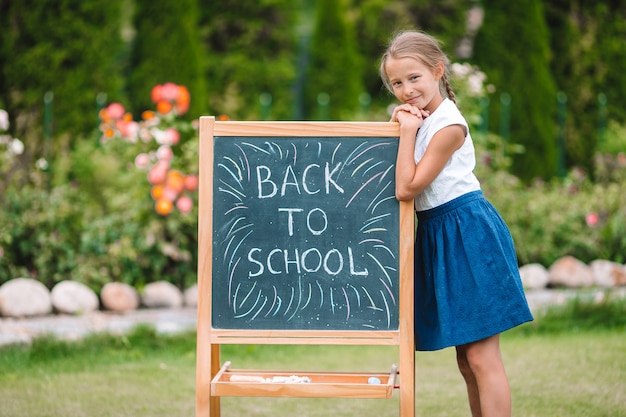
[(414, 83)]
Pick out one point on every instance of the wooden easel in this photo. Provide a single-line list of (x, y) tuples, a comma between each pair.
[(214, 379)]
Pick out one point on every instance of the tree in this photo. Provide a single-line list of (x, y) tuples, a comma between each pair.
[(67, 47), (335, 67), (167, 48), (515, 55), (251, 50), (587, 40)]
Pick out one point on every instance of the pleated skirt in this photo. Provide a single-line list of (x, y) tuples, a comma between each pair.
[(467, 282)]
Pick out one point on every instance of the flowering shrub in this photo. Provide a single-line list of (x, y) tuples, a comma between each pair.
[(471, 89), (155, 136), (10, 147)]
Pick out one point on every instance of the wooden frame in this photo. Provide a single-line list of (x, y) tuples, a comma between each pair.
[(213, 379)]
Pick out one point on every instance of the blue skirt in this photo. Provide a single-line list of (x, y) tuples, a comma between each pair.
[(467, 282)]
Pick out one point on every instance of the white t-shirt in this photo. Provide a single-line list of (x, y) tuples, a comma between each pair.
[(457, 177)]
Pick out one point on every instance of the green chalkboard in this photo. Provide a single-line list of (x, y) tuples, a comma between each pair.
[(305, 233)]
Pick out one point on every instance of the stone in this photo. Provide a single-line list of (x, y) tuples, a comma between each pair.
[(570, 272), (119, 297), (71, 297), (534, 276), (191, 296), (608, 274), (24, 297), (161, 294)]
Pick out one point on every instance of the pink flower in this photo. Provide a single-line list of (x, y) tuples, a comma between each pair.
[(115, 111), (592, 219), (165, 153), (184, 204), (128, 130), (142, 160), (158, 173), (164, 92), (191, 182), (172, 137), (169, 92), (4, 120), (169, 194)]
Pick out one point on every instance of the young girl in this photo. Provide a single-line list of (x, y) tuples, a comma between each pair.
[(467, 284)]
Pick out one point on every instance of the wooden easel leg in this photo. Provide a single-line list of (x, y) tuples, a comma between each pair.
[(407, 383), (215, 367), (208, 364)]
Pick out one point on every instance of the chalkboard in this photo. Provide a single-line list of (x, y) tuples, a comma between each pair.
[(305, 233)]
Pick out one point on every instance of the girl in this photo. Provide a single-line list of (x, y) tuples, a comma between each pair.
[(467, 284)]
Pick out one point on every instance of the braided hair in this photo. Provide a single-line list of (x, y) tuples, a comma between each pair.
[(422, 47)]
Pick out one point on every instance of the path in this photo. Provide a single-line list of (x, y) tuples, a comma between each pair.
[(169, 321)]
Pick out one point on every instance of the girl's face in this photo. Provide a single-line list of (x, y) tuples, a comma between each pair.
[(415, 83)]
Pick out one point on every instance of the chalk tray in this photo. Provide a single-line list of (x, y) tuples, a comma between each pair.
[(265, 383)]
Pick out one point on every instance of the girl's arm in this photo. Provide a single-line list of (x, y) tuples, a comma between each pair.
[(411, 178)]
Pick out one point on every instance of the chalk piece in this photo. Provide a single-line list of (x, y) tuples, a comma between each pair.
[(373, 380), (246, 378)]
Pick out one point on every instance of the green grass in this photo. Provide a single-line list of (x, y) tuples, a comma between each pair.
[(570, 362)]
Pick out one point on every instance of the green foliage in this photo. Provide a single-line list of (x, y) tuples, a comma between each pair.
[(549, 220), (72, 356), (335, 67), (43, 233), (613, 141), (100, 225), (167, 48), (68, 47), (250, 50), (515, 55), (95, 235), (580, 315), (589, 58)]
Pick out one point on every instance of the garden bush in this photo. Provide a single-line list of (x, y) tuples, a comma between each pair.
[(102, 225)]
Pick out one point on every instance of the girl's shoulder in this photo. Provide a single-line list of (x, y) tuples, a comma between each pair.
[(445, 115)]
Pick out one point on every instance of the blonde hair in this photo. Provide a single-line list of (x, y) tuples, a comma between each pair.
[(421, 47)]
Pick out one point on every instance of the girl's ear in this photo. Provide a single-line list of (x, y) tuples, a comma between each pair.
[(439, 70)]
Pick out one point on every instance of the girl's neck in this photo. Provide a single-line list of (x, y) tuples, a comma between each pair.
[(434, 104)]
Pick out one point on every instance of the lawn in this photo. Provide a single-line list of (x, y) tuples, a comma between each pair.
[(578, 371)]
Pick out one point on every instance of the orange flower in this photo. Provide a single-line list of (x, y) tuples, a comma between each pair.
[(183, 94), (182, 108), (175, 180), (164, 107), (148, 115), (103, 114), (163, 206), (182, 102), (156, 192), (155, 94)]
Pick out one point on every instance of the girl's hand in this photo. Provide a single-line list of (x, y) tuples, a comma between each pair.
[(409, 116)]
